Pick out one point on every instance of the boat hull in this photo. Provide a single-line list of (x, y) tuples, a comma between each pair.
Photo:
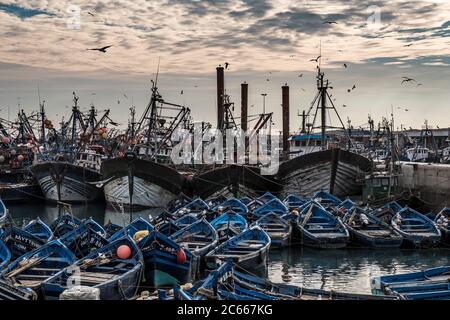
[(146, 194), (155, 185), (76, 184), (363, 240), (304, 238)]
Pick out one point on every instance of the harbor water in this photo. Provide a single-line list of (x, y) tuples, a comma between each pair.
[(346, 270)]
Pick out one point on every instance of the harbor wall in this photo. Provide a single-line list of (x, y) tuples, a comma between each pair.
[(429, 181)]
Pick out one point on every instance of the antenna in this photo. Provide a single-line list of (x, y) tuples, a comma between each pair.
[(320, 54), (157, 72)]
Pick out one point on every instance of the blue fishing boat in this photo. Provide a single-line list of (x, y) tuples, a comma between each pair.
[(427, 284), (199, 238), (274, 206), (111, 228), (442, 220), (228, 225), (19, 241), (116, 278), (394, 206), (94, 226), (3, 213), (167, 228), (366, 230), (266, 197), (83, 240), (5, 255), (234, 205), (292, 292), (138, 224), (254, 204), (326, 199), (292, 201), (417, 230), (246, 200), (278, 229), (186, 220), (196, 206), (163, 217), (64, 224), (178, 203), (316, 227), (248, 249), (31, 269), (166, 262), (39, 229)]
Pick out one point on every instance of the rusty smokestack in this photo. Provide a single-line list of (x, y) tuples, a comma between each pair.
[(220, 96), (244, 105), (285, 106)]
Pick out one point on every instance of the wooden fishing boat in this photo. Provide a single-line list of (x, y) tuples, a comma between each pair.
[(234, 205), (94, 226), (394, 206), (19, 241), (196, 206), (166, 262), (138, 224), (274, 206), (292, 292), (64, 224), (427, 284), (9, 291), (167, 228), (3, 213), (278, 229), (111, 228), (163, 217), (248, 249), (368, 231), (116, 278), (326, 199), (442, 220), (31, 269), (5, 255), (155, 184), (186, 220), (266, 197), (417, 230), (292, 201), (316, 227), (228, 225), (199, 237), (69, 182), (39, 229), (180, 201), (83, 240)]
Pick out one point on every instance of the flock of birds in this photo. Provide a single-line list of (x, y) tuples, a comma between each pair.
[(405, 80)]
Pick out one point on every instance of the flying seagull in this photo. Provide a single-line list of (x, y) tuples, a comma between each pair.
[(354, 87), (345, 65), (303, 89), (90, 13), (300, 75), (419, 84), (267, 79), (330, 22), (406, 79), (226, 65), (101, 49), (182, 91), (406, 110), (317, 59), (344, 106), (409, 45)]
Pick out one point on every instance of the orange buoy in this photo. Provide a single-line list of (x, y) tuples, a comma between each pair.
[(181, 256), (123, 252)]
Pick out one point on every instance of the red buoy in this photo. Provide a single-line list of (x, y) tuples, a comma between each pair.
[(123, 252), (181, 256)]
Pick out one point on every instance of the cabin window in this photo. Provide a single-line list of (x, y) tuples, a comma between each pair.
[(376, 182)]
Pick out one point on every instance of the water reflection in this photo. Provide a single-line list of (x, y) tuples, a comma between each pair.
[(348, 270)]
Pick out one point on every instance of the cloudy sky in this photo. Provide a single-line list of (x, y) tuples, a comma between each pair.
[(44, 42)]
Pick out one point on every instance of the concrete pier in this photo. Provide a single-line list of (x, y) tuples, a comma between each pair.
[(430, 181)]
